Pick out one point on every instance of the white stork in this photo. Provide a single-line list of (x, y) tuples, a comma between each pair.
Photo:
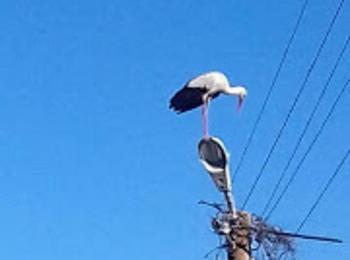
[(200, 90)]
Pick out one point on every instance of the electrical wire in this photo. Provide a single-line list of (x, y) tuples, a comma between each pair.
[(300, 91), (308, 150), (328, 184), (311, 116), (267, 98)]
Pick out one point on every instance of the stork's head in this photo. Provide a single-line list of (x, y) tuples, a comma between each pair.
[(240, 92)]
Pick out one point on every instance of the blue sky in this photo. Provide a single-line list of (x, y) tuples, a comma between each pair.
[(94, 165)]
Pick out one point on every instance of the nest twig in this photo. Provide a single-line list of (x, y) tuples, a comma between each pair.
[(268, 242), (269, 239)]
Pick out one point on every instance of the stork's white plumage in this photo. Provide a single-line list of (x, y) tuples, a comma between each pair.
[(201, 89)]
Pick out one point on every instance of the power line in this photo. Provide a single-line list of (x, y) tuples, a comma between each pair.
[(319, 198), (302, 87), (292, 177), (318, 102), (267, 98)]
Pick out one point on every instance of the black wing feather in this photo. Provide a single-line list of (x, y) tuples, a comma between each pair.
[(187, 98)]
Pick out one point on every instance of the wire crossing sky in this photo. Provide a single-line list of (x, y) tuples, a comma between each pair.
[(268, 95), (93, 163), (308, 150), (295, 101), (323, 192), (313, 113)]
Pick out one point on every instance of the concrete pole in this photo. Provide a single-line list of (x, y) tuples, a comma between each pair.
[(238, 240)]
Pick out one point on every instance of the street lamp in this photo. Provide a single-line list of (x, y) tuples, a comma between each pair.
[(214, 158)]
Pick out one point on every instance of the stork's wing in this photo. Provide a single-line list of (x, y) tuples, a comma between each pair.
[(208, 80), (191, 95), (187, 98)]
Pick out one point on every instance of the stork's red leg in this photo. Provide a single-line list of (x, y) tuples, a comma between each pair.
[(205, 119)]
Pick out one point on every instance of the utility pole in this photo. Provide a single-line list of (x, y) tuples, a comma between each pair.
[(241, 248)]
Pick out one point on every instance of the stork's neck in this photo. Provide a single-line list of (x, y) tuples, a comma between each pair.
[(235, 90)]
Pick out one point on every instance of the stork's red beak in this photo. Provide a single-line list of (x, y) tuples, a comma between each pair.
[(240, 102)]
